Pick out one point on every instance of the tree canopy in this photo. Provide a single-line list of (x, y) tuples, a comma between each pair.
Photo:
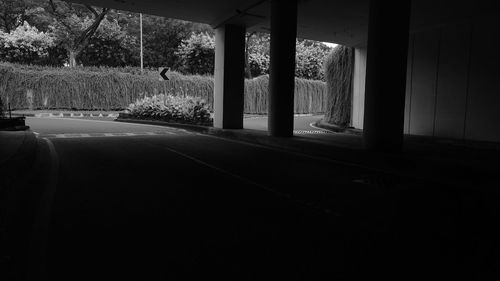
[(54, 32)]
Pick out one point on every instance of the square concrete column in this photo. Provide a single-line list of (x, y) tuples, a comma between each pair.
[(229, 79), (282, 67), (388, 33)]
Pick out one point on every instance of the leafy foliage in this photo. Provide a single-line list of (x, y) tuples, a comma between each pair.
[(162, 37), (87, 35), (25, 44), (309, 59), (257, 54), (197, 54), (110, 46), (171, 108), (74, 25), (13, 13)]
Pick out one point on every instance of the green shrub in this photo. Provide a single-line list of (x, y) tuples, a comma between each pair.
[(171, 108), (197, 54), (25, 44)]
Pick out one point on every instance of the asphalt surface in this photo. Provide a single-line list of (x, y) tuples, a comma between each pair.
[(117, 201), (303, 125)]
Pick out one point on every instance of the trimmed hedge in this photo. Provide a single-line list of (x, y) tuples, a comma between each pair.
[(79, 88), (93, 88), (339, 71), (309, 96)]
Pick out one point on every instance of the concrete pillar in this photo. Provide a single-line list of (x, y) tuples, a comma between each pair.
[(388, 32), (282, 67), (358, 88), (229, 80)]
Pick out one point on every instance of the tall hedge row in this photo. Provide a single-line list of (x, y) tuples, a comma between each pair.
[(339, 71), (107, 89)]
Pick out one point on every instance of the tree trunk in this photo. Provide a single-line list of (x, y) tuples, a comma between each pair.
[(248, 72), (72, 58)]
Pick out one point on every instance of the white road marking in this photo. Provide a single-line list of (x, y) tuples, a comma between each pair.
[(104, 121)]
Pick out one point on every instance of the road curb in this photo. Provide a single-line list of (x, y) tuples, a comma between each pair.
[(247, 135), (66, 114), (334, 128)]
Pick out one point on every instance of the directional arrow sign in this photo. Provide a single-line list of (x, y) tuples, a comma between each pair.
[(163, 73)]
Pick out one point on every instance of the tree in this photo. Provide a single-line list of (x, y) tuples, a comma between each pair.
[(257, 54), (309, 59), (110, 46), (197, 54), (75, 25), (162, 38), (14, 13), (25, 44)]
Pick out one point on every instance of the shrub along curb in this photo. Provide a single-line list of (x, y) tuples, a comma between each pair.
[(127, 116)]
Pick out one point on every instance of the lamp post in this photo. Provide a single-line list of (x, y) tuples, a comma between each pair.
[(142, 60)]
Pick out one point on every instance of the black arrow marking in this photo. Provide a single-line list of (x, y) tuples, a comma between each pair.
[(163, 74)]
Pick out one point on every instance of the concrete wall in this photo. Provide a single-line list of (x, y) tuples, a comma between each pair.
[(453, 81)]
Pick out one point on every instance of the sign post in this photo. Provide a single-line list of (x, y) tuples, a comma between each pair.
[(163, 73), (163, 77)]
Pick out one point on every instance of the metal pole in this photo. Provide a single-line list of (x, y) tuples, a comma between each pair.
[(142, 60)]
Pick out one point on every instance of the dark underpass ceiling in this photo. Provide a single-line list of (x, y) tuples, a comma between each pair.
[(338, 21)]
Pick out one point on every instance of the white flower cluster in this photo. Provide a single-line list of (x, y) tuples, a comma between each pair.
[(26, 40)]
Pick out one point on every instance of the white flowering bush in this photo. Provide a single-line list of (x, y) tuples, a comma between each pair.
[(171, 108), (25, 44)]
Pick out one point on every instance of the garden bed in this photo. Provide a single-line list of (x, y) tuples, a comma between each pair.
[(122, 116)]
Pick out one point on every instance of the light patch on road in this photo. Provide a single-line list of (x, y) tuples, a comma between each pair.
[(310, 132)]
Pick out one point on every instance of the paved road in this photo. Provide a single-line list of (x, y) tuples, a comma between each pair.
[(134, 202), (303, 125)]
